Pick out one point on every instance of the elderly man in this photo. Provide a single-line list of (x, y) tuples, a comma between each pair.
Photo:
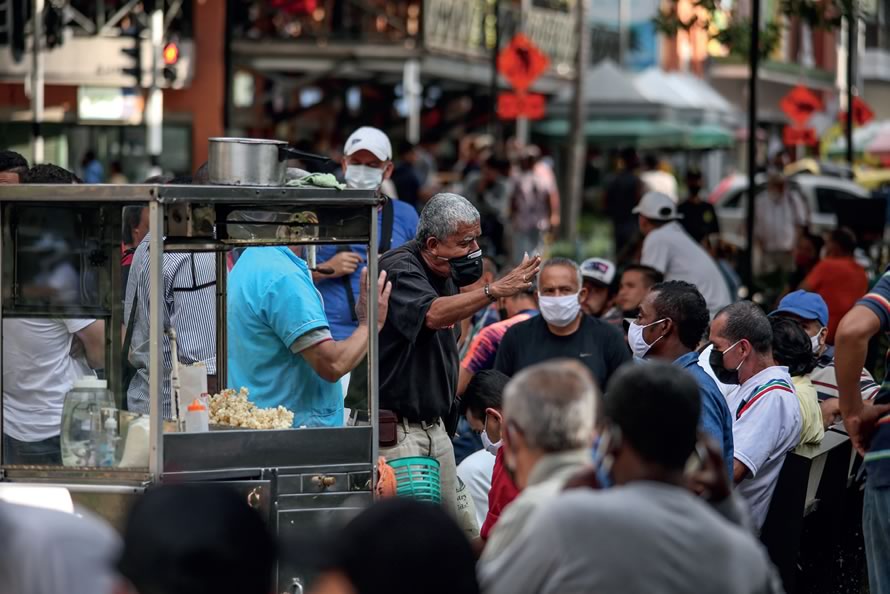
[(811, 312), (670, 249), (868, 425), (672, 322), (648, 533), (562, 329), (418, 343), (767, 414), (780, 217), (547, 433)]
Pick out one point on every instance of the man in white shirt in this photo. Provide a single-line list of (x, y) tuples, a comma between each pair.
[(670, 249), (39, 368), (779, 217), (767, 421)]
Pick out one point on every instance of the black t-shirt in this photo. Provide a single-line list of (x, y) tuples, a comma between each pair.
[(418, 366), (699, 219), (622, 195), (597, 344)]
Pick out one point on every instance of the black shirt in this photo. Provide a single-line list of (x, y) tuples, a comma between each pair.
[(699, 219), (597, 344), (418, 366)]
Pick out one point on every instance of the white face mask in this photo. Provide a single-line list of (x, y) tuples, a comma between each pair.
[(638, 344), (817, 344), (362, 177), (490, 446), (559, 311)]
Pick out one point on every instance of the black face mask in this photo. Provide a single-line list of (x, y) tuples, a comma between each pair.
[(466, 270), (724, 375)]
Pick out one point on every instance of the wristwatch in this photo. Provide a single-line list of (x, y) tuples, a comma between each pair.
[(487, 290)]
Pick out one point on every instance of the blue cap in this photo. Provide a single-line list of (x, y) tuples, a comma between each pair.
[(809, 306)]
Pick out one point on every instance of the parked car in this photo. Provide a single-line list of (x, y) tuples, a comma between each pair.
[(820, 193)]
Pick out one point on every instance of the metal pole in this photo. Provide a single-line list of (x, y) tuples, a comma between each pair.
[(852, 38), (154, 111), (493, 105), (754, 60), (522, 122), (578, 146), (156, 374), (37, 80), (373, 357)]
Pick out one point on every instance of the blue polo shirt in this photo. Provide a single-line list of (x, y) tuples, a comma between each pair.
[(271, 303), (716, 419), (336, 302)]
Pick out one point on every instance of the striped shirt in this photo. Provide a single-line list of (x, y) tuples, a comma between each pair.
[(189, 307), (824, 377), (877, 460)]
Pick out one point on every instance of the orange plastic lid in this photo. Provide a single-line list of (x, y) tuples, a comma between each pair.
[(196, 406)]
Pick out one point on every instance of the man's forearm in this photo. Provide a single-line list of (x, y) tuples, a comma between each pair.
[(352, 349), (850, 352), (447, 311)]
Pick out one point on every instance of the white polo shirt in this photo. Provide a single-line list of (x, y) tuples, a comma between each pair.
[(767, 426), (672, 251), (777, 218)]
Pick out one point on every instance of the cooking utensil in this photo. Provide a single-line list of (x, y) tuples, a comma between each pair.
[(253, 161)]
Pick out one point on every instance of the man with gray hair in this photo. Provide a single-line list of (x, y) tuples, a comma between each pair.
[(562, 329), (418, 343), (766, 414), (547, 433)]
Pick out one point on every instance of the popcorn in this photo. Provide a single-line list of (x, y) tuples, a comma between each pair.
[(235, 410)]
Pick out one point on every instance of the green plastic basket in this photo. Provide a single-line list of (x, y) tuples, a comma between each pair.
[(417, 477)]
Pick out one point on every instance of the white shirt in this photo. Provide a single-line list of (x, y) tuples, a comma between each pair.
[(475, 471), (767, 426), (672, 251), (777, 218), (660, 181), (38, 371)]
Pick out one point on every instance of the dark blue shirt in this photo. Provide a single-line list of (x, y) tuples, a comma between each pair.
[(333, 291), (716, 420)]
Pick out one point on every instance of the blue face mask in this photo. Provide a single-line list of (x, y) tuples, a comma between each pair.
[(602, 460)]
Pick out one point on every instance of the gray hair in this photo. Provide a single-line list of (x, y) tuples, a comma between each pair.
[(554, 405), (443, 215), (561, 262), (745, 319)]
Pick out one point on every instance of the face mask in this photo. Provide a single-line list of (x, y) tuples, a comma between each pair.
[(559, 311), (638, 344), (724, 375), (362, 177), (817, 344), (465, 270), (490, 446)]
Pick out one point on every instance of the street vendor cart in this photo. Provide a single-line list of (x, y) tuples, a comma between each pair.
[(60, 258)]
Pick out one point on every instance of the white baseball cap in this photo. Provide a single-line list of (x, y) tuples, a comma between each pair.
[(371, 139), (598, 270), (658, 207)]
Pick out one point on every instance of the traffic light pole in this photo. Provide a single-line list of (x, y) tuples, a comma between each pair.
[(754, 60), (154, 107), (522, 122), (37, 79), (852, 46)]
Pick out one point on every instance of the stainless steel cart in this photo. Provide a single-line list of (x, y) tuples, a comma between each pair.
[(299, 479)]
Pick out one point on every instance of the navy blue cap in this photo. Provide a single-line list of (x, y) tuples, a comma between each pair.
[(809, 306)]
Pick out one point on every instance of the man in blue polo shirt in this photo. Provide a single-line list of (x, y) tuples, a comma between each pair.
[(279, 340), (367, 163), (868, 424), (672, 321)]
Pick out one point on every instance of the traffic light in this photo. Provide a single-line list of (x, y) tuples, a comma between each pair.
[(171, 57), (134, 52)]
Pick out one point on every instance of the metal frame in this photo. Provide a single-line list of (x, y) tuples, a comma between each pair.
[(157, 198)]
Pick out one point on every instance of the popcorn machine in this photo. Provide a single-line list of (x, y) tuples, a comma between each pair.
[(60, 272)]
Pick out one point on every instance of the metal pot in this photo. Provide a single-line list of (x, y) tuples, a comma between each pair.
[(252, 161)]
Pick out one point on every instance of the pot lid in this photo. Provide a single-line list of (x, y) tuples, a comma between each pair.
[(245, 140)]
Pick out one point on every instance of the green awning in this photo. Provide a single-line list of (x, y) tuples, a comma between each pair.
[(709, 136), (646, 134)]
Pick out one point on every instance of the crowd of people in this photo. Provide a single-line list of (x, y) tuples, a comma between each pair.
[(601, 414)]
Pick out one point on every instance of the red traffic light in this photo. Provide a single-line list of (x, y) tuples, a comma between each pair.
[(171, 54)]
